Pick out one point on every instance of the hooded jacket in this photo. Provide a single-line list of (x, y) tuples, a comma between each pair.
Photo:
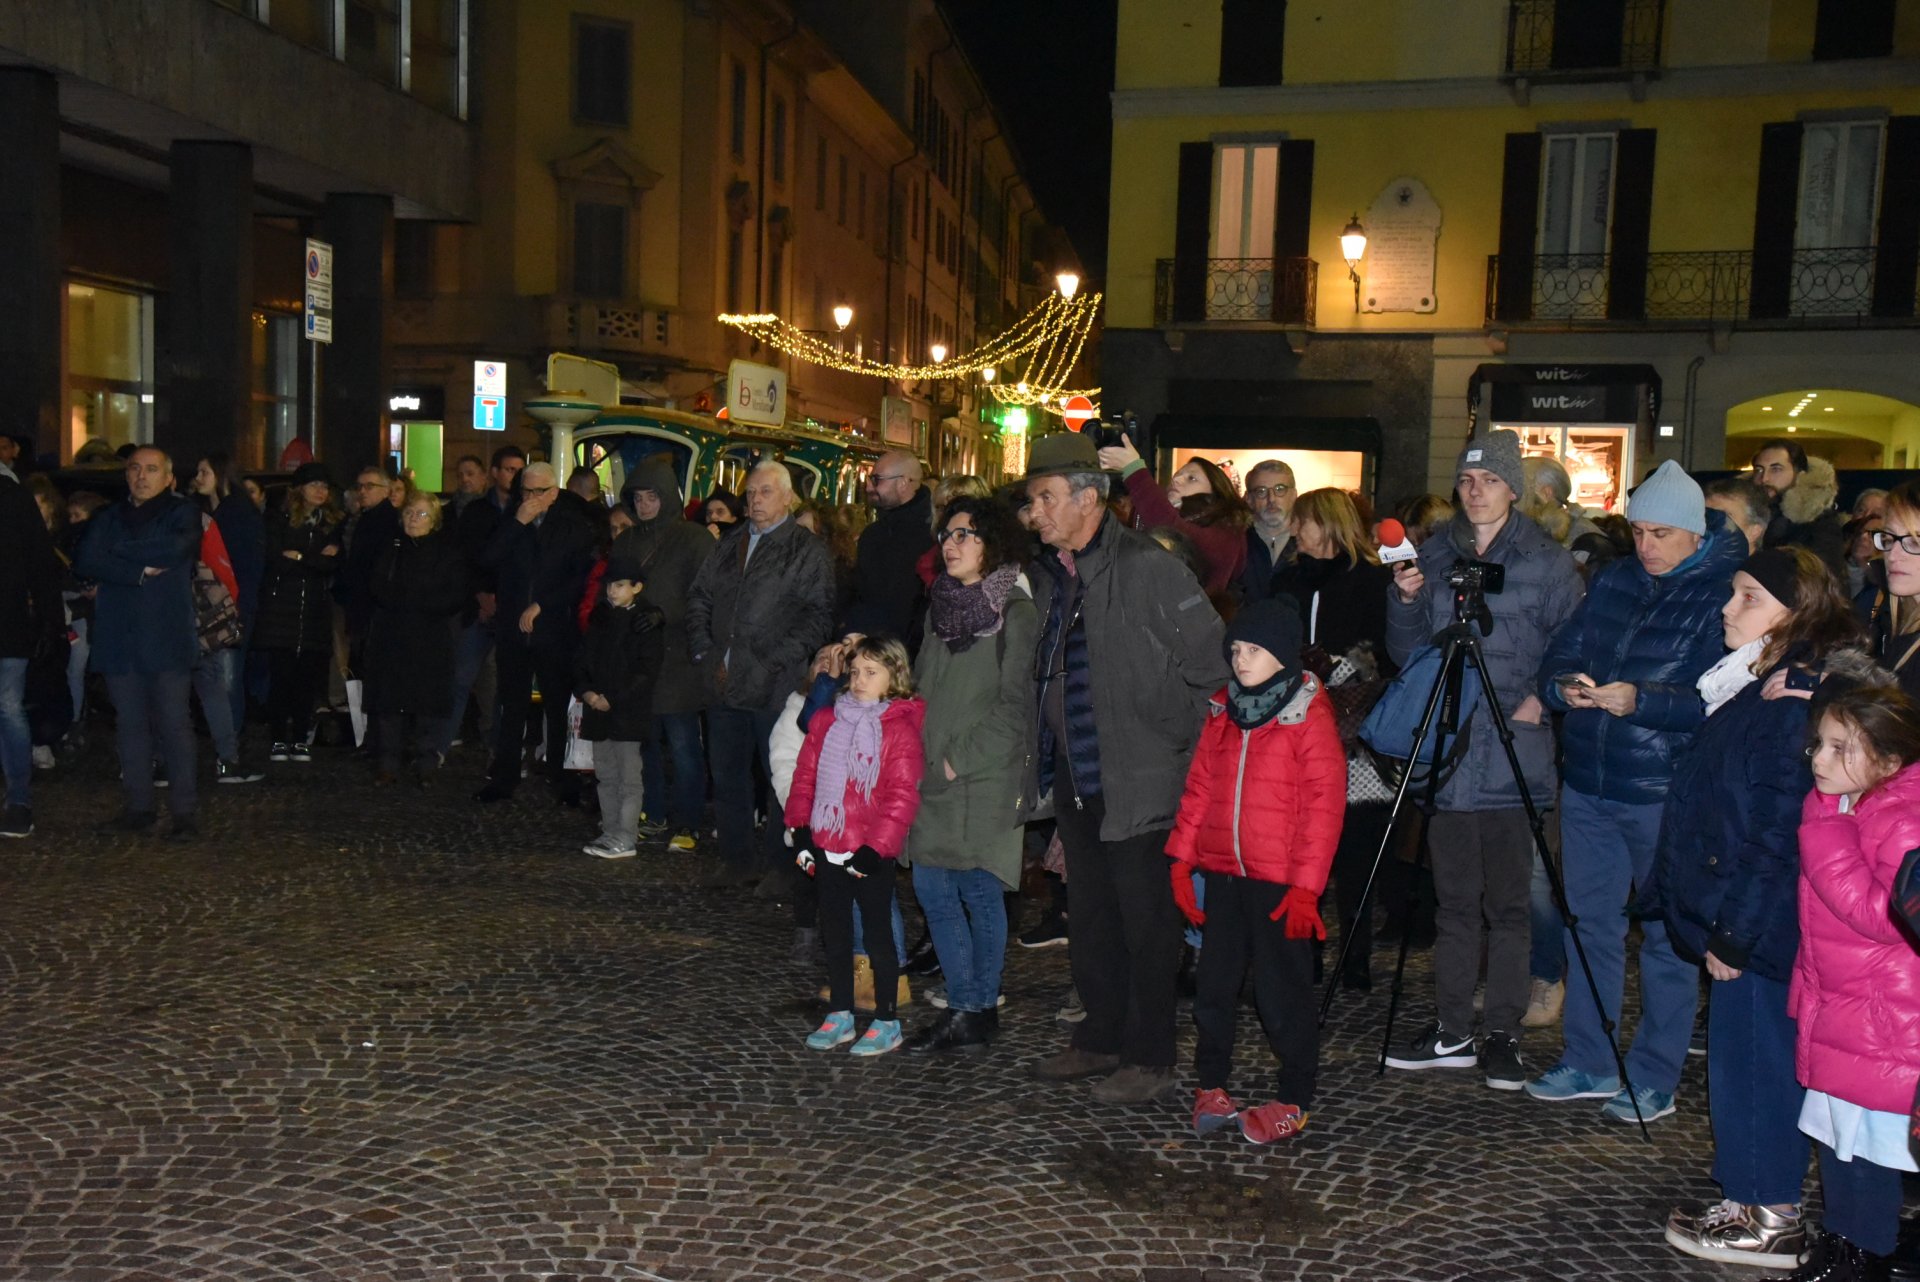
[(620, 658), (1659, 634), (1855, 995), (1805, 517), (1266, 803), (670, 550), (888, 595), (882, 818)]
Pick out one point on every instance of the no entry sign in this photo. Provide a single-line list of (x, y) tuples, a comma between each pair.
[(1078, 411)]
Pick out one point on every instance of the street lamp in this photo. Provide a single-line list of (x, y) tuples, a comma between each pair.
[(938, 351), (1353, 247), (1069, 284), (842, 317), (987, 374)]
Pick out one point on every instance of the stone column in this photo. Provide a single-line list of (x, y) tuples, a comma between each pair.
[(356, 369), (30, 287), (208, 374)]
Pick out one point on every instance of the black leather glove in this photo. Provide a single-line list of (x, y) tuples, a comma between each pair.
[(866, 862), (803, 849)]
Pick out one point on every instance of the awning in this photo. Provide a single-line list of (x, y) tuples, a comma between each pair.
[(1565, 392), (1283, 432)]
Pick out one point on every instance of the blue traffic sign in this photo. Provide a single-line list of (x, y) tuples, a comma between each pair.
[(489, 413)]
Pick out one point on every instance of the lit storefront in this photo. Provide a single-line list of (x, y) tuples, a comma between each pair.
[(416, 434), (109, 367), (1596, 419)]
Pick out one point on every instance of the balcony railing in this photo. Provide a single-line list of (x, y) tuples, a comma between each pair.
[(1583, 37), (1701, 287), (1275, 290)]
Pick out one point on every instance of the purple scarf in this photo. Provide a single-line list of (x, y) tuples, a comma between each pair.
[(849, 757), (963, 613)]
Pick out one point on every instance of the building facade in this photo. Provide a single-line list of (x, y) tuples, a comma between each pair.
[(1631, 229)]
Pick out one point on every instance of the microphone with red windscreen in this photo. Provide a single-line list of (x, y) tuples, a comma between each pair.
[(1394, 546)]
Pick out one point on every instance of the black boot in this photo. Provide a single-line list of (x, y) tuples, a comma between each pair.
[(922, 962), (1833, 1258), (934, 1030), (955, 1030)]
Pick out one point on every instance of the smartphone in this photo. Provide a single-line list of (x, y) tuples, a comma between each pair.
[(1564, 679), (1801, 679)]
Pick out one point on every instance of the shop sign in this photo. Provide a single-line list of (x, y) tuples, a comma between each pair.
[(756, 393), (1556, 402), (428, 404)]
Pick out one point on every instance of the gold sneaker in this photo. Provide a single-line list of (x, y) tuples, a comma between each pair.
[(1734, 1233)]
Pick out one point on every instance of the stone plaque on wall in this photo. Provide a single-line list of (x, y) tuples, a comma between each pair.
[(1403, 233)]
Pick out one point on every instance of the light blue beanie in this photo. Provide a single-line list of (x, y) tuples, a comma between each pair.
[(1669, 497)]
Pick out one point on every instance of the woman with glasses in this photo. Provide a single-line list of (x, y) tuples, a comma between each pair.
[(1894, 623), (975, 671), (1726, 879), (1199, 501), (419, 588)]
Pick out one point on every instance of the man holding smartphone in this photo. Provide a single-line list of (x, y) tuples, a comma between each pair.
[(1623, 669)]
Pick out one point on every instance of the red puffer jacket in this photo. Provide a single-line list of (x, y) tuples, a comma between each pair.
[(882, 819), (1856, 982), (1266, 803)]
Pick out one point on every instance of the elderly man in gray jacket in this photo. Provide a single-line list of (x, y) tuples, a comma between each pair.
[(1130, 650), (1481, 846)]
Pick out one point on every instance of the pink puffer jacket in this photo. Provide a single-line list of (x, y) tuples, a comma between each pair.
[(1856, 982)]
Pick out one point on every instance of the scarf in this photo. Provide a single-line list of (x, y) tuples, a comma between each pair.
[(1252, 706), (963, 613), (1730, 676), (849, 756)]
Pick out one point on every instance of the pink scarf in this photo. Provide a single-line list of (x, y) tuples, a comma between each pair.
[(849, 757)]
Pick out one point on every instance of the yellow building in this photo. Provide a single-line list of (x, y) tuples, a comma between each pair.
[(646, 165), (1622, 226)]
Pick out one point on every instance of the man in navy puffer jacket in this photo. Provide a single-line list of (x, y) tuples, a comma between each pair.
[(1623, 669)]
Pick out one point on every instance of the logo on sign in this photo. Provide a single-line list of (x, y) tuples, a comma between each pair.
[(395, 403), (1562, 402), (1559, 374)]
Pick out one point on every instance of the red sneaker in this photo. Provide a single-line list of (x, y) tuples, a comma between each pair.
[(1212, 1111), (1270, 1122)]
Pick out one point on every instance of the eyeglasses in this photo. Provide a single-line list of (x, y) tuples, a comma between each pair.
[(537, 489), (371, 485), (959, 534), (1267, 491), (897, 476), (1883, 541)]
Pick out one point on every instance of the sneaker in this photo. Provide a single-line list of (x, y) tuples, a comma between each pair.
[(835, 1030), (1565, 1082), (682, 840), (16, 821), (1697, 1043), (1544, 1003), (1071, 1011), (42, 756), (1270, 1122), (300, 753), (1831, 1258), (605, 847), (160, 779), (882, 1035), (280, 752), (937, 998), (1654, 1105), (651, 829), (1500, 1057), (1049, 932), (1435, 1048), (235, 772), (1734, 1233), (1213, 1110)]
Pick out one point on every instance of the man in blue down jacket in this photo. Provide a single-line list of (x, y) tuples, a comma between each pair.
[(1624, 669)]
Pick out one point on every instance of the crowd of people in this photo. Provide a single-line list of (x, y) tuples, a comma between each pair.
[(1153, 697)]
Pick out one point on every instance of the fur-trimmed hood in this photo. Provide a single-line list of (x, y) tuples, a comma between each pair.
[(1813, 494)]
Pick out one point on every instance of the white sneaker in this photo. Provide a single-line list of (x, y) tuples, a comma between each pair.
[(42, 757), (608, 848)]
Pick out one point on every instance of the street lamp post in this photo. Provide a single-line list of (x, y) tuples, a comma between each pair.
[(1069, 284), (1353, 247)]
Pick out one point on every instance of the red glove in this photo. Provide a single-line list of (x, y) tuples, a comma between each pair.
[(1301, 908), (1183, 896)]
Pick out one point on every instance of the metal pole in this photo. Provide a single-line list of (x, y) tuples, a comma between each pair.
[(313, 397)]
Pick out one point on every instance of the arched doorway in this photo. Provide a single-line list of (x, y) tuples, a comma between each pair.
[(1851, 430)]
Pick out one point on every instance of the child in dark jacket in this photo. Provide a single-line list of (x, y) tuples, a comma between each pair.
[(1265, 798), (855, 792), (613, 676)]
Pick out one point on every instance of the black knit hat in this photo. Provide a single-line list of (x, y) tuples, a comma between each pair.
[(308, 473), (621, 565), (1775, 570), (1272, 624)]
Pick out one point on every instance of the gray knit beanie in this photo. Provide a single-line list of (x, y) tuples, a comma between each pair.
[(1669, 497), (1498, 452)]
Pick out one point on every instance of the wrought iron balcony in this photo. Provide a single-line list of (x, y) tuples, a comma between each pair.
[(1811, 287), (1576, 38), (1274, 290)]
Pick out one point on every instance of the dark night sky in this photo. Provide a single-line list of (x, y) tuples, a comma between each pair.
[(1049, 66)]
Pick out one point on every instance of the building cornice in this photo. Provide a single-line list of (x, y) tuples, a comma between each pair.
[(1865, 77)]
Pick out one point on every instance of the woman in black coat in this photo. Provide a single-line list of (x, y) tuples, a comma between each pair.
[(294, 624), (418, 588)]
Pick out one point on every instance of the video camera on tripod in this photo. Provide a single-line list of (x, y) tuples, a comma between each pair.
[(1472, 583)]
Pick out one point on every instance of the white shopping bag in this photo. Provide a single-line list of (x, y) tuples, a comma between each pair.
[(356, 710), (579, 751)]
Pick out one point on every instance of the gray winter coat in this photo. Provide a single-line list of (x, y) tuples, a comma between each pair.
[(1156, 653), (753, 626), (980, 721), (1543, 588), (670, 550)]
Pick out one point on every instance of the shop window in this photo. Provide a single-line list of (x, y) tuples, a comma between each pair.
[(276, 380), (599, 250), (109, 365), (602, 71), (1598, 458)]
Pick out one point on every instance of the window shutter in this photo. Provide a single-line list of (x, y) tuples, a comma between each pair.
[(1193, 214), (1775, 208), (1898, 257), (1292, 230), (1632, 224), (1519, 223)]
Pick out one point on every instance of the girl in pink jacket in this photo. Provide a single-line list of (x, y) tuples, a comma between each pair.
[(1856, 982)]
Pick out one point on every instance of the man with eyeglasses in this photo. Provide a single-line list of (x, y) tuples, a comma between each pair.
[(372, 529), (1270, 493), (1804, 491), (888, 596)]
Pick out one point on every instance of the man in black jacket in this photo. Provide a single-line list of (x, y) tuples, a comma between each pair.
[(473, 649), (31, 617), (1270, 493), (540, 556), (888, 596), (1804, 491)]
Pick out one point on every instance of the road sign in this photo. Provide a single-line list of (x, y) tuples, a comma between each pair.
[(1078, 412), (490, 413), (319, 293), (489, 378), (756, 393)]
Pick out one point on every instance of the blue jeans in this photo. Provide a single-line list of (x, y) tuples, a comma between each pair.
[(153, 711), (1607, 849), (1547, 958), (737, 751), (216, 678), (967, 918), (16, 740), (470, 650), (1759, 1154), (675, 736), (1863, 1201), (899, 933)]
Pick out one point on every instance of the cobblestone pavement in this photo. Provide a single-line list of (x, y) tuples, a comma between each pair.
[(361, 1034)]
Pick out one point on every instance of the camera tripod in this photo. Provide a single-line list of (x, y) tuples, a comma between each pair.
[(1459, 646)]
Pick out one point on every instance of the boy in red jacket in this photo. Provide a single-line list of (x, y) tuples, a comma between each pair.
[(1265, 797)]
